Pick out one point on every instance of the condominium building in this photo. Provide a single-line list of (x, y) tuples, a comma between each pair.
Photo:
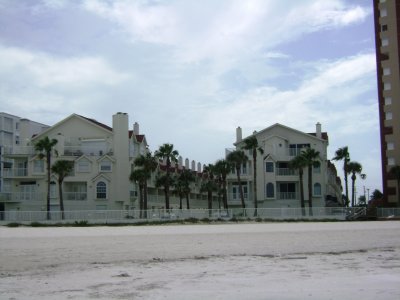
[(103, 158), (387, 32), (10, 136), (277, 184)]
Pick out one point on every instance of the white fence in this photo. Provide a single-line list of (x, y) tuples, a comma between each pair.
[(132, 216)]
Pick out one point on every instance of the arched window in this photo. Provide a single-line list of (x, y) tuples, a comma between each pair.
[(317, 189), (101, 190), (270, 190)]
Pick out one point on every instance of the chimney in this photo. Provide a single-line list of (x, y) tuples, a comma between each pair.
[(238, 134), (180, 160), (136, 128), (187, 164), (318, 130), (193, 165)]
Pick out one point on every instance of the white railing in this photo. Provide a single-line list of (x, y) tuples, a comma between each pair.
[(285, 172), (19, 150), (15, 172), (287, 196), (132, 216), (90, 151), (388, 212), (75, 196), (22, 196)]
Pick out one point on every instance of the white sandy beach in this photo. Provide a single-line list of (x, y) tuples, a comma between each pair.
[(346, 260)]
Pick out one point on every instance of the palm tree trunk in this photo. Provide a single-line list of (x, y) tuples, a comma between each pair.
[(48, 154), (166, 192), (187, 201), (145, 194), (61, 199), (398, 192), (240, 188), (353, 183), (346, 184), (141, 200), (255, 181), (310, 190), (224, 195), (302, 204), (180, 201)]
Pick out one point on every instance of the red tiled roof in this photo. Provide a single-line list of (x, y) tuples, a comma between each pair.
[(323, 134), (139, 137)]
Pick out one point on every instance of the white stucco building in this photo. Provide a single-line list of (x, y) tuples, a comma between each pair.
[(277, 184)]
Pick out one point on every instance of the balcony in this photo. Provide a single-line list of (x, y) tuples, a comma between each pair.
[(15, 172), (90, 151), (22, 197), (75, 196), (19, 150), (287, 195), (286, 172)]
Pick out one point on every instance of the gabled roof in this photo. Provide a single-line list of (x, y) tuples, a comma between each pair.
[(90, 121), (97, 123), (324, 134)]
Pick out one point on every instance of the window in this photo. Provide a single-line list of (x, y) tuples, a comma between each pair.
[(385, 42), (388, 101), (387, 86), (384, 27), (389, 115), (386, 71), (38, 166), (295, 149), (236, 192), (391, 161), (101, 190), (84, 166), (390, 146), (270, 190), (244, 168), (105, 166), (16, 140), (317, 189), (269, 167), (383, 12), (317, 169)]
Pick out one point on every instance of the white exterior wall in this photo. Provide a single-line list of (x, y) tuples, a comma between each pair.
[(275, 141)]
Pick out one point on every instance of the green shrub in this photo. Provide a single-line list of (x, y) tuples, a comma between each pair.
[(13, 224), (82, 223)]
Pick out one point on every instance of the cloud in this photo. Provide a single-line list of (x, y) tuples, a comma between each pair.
[(47, 70), (334, 85), (224, 32)]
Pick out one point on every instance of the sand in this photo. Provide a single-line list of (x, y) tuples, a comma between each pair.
[(346, 260)]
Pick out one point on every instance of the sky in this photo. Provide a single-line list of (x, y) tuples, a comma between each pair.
[(190, 72)]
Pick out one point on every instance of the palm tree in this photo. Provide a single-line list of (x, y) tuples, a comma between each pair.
[(310, 157), (140, 176), (353, 168), (165, 181), (237, 159), (62, 168), (186, 177), (44, 147), (395, 172), (299, 163), (343, 154), (167, 154), (223, 168), (148, 163), (209, 185), (251, 143)]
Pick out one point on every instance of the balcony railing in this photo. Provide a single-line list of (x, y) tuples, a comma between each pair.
[(75, 196), (287, 195), (19, 150), (285, 172), (82, 150), (22, 196), (15, 172)]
